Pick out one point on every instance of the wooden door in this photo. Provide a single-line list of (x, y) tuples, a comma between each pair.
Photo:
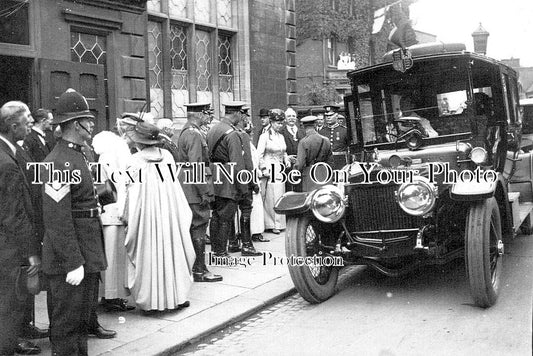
[(88, 79)]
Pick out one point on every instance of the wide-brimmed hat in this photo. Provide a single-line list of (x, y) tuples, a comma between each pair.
[(71, 105), (145, 133), (276, 115)]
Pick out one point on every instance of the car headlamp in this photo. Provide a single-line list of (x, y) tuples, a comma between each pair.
[(417, 197), (414, 139), (478, 155), (328, 204)]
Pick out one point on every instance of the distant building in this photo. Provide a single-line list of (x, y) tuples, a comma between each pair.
[(124, 55), (525, 77)]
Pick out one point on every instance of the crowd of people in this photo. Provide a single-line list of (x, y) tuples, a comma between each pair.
[(133, 220)]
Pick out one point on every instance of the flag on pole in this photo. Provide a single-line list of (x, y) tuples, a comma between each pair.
[(379, 19)]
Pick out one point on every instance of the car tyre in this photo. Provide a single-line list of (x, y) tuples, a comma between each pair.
[(314, 283), (484, 251)]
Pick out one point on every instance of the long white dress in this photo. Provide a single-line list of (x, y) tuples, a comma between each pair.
[(271, 149), (114, 156), (159, 246)]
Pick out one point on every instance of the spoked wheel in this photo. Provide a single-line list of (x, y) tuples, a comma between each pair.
[(484, 251), (315, 283)]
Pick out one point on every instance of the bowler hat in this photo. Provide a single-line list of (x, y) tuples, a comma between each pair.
[(145, 133), (263, 112), (71, 105)]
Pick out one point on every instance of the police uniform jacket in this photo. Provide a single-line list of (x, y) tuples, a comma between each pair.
[(17, 236), (192, 147), (73, 233), (338, 137), (229, 150), (35, 147), (312, 149)]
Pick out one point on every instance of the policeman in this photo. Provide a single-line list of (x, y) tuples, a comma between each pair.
[(73, 253), (192, 147), (227, 160), (337, 135), (245, 202), (312, 149)]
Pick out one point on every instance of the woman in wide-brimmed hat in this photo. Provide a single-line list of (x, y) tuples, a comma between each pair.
[(158, 243)]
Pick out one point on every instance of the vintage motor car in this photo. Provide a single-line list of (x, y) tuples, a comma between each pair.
[(437, 174)]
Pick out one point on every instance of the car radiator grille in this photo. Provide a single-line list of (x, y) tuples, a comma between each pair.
[(374, 207)]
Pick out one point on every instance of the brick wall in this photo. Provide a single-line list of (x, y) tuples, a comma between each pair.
[(272, 54)]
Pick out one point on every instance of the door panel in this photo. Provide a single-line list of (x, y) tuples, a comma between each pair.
[(88, 79)]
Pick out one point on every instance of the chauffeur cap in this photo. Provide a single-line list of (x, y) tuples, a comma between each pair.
[(309, 120), (198, 107), (233, 106), (71, 105)]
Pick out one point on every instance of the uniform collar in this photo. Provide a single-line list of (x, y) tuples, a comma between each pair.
[(334, 126), (71, 145)]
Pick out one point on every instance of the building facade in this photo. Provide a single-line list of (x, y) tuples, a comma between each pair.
[(151, 55)]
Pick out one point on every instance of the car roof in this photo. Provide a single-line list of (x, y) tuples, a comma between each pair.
[(433, 50)]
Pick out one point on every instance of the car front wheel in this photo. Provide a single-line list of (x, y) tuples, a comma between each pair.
[(315, 283), (484, 251)]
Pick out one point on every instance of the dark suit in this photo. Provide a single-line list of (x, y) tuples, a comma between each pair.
[(72, 238), (228, 150), (312, 149), (292, 150), (17, 243), (35, 147), (192, 147)]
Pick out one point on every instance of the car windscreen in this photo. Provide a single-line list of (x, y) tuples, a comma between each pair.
[(431, 97)]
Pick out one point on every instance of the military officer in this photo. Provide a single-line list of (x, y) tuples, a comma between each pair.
[(73, 253), (337, 135), (312, 149), (245, 202), (192, 147), (227, 156)]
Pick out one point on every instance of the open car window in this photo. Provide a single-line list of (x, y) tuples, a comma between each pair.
[(431, 97)]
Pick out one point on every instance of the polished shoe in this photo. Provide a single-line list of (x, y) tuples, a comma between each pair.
[(184, 305), (206, 277), (259, 238), (250, 251), (221, 254), (25, 347), (30, 331), (234, 246), (276, 231), (102, 333), (118, 304)]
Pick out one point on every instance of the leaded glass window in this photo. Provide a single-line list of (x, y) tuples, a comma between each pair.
[(202, 11), (225, 64), (224, 12), (88, 48), (178, 56), (155, 67), (154, 5), (178, 8), (203, 61), (14, 22)]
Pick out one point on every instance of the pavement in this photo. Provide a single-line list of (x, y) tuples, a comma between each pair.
[(252, 284)]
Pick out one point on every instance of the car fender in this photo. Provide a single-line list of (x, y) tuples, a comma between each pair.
[(293, 203), (472, 191)]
